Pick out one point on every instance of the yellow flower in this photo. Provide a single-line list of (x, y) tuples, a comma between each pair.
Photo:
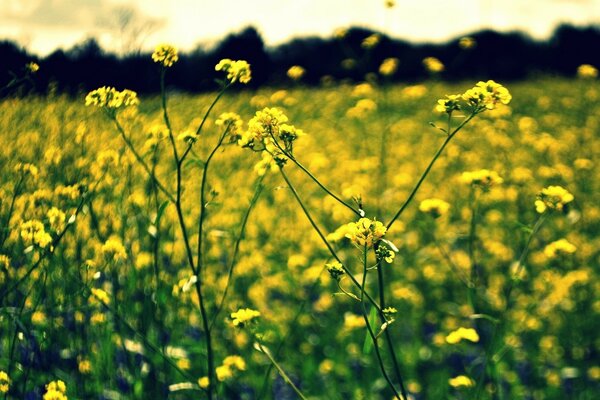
[(365, 232), (389, 66), (433, 65), (56, 390), (32, 67), (236, 362), (483, 177), (111, 98), (435, 207), (204, 382), (486, 95), (296, 72), (84, 366), (371, 41), (114, 249), (553, 198), (587, 71), (243, 316), (562, 246), (449, 104), (165, 54), (462, 333), (237, 70), (233, 123), (4, 382), (33, 232), (467, 42), (99, 295), (461, 381), (335, 269)]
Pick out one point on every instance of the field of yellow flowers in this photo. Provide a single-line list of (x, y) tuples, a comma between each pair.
[(165, 247)]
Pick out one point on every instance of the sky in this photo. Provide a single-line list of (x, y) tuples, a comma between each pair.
[(42, 26)]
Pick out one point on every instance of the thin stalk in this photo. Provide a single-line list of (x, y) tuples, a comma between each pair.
[(285, 377), (5, 225), (474, 273), (325, 241), (426, 172)]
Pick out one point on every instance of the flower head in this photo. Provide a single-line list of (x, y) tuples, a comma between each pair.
[(449, 104), (165, 54), (467, 42), (562, 246), (236, 70), (433, 65), (456, 336), (296, 72), (389, 66), (434, 207), (461, 381), (587, 71), (335, 269), (483, 178), (110, 98), (486, 95), (56, 390), (4, 382), (371, 41), (365, 232), (244, 316), (553, 198), (32, 67)]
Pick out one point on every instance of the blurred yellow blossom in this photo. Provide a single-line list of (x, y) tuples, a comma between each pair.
[(165, 54)]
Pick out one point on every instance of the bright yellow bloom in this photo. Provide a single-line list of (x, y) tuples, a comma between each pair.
[(114, 249), (237, 70), (433, 65), (462, 333), (389, 66), (435, 207), (56, 390), (33, 232), (461, 381), (165, 54), (244, 316), (56, 218), (365, 232), (99, 295), (204, 382), (335, 269), (485, 95), (553, 198), (4, 382), (27, 168), (296, 72), (233, 122), (111, 98), (236, 362), (562, 246), (449, 104), (587, 71), (32, 67), (483, 177), (371, 41)]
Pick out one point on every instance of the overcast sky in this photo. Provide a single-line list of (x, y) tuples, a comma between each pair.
[(44, 25)]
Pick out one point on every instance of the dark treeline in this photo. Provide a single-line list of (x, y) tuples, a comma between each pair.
[(500, 56)]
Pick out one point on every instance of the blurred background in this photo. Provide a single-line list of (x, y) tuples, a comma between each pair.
[(82, 44)]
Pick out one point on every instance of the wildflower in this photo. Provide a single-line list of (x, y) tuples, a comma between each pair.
[(236, 362), (33, 232), (587, 71), (389, 312), (165, 54), (56, 390), (467, 42), (562, 246), (449, 104), (385, 254), (389, 66), (204, 382), (233, 123), (456, 336), (99, 295), (4, 382), (27, 168), (553, 198), (189, 136), (238, 70), (335, 269), (296, 72), (244, 316), (366, 232), (371, 41), (461, 381), (56, 218), (434, 207), (485, 95), (32, 67), (114, 249), (483, 178), (4, 262), (433, 65), (364, 89), (110, 98), (84, 366)]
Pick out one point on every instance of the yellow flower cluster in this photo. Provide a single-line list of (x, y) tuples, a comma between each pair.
[(335, 269), (111, 98), (56, 218), (486, 95), (467, 42), (56, 390), (365, 232), (483, 177), (32, 67), (165, 54), (113, 249), (34, 232), (461, 381), (433, 65), (232, 122), (231, 364), (243, 316), (587, 71), (371, 41), (99, 295), (237, 70), (434, 207), (4, 382), (449, 104), (27, 168), (553, 198), (562, 246), (456, 336), (296, 72), (389, 66)]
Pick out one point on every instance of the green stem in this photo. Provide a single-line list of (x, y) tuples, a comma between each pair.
[(285, 377)]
